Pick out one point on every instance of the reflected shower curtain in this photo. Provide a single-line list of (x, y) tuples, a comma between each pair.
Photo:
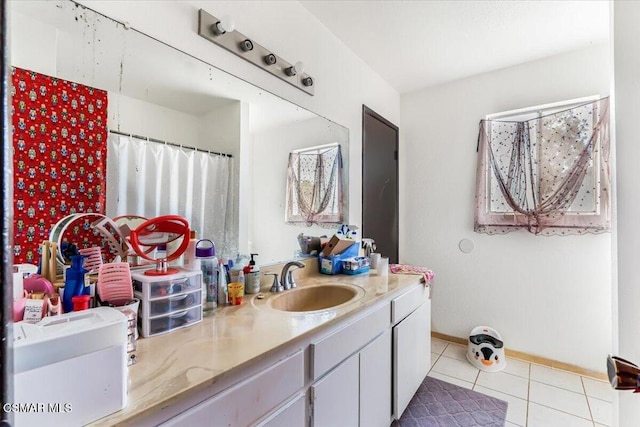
[(152, 179)]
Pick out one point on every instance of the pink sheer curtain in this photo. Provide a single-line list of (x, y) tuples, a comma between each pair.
[(549, 175), (314, 187)]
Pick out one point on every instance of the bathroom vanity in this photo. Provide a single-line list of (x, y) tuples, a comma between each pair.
[(355, 363)]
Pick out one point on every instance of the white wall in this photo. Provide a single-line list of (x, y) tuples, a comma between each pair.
[(343, 81), (130, 115), (547, 296), (220, 128), (277, 244), (626, 45)]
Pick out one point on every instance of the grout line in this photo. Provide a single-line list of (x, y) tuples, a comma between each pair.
[(529, 380), (564, 412), (586, 397)]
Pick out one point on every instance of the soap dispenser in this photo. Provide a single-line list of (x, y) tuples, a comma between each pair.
[(74, 282), (252, 277)]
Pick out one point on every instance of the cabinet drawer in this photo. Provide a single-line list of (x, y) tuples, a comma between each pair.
[(169, 322), (402, 306), (167, 305), (244, 403), (333, 349), (164, 288)]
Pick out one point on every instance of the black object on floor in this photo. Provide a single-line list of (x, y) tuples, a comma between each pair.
[(441, 404)]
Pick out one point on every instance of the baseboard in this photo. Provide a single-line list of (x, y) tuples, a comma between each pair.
[(533, 359)]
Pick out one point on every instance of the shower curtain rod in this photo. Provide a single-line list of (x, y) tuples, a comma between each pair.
[(159, 141)]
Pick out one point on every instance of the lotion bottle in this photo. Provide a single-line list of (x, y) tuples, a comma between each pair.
[(191, 262), (252, 277)]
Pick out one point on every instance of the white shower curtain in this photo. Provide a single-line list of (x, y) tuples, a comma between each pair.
[(151, 179)]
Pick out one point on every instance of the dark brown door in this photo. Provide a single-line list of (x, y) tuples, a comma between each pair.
[(380, 183)]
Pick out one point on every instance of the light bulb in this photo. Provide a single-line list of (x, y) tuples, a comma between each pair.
[(294, 70), (228, 24), (224, 25)]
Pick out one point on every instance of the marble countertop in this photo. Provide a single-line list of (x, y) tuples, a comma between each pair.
[(188, 360)]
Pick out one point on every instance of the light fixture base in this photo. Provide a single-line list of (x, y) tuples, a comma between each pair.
[(233, 42)]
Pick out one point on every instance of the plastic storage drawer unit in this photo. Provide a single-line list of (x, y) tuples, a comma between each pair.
[(168, 302)]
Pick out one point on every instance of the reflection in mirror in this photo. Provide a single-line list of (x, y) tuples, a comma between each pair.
[(314, 185), (161, 93), (168, 235)]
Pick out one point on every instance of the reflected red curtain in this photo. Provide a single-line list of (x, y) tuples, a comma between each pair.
[(59, 158)]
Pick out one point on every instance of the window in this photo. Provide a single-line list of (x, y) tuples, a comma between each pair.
[(314, 185), (545, 169)]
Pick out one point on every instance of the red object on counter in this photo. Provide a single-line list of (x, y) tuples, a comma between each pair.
[(81, 302)]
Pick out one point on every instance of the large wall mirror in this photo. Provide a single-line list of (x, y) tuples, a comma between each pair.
[(164, 94)]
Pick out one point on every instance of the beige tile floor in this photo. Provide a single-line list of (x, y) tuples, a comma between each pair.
[(538, 396)]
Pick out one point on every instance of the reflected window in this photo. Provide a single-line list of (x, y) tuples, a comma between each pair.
[(314, 185)]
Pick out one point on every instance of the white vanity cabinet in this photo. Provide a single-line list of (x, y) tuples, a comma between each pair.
[(335, 397), (375, 382), (356, 390), (360, 371), (411, 317), (290, 414), (246, 402)]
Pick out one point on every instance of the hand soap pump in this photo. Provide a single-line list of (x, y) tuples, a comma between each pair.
[(74, 282), (252, 277)]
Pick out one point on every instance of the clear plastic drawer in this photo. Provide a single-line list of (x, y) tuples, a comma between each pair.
[(160, 287), (170, 304), (171, 322)]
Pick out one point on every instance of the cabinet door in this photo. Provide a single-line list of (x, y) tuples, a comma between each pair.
[(411, 355), (293, 414), (375, 382), (335, 396)]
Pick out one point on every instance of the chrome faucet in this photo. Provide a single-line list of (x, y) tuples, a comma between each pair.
[(287, 279), (276, 286)]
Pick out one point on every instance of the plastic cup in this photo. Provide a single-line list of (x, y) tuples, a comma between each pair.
[(236, 292), (81, 302), (383, 266), (375, 259)]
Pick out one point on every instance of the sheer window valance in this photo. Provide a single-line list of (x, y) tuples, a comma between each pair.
[(314, 186), (549, 174)]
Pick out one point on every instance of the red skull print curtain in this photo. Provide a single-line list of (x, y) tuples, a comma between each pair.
[(59, 159)]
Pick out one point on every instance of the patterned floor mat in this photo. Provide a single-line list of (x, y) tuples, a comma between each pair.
[(441, 404)]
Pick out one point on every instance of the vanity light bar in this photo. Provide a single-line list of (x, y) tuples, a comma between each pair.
[(235, 42)]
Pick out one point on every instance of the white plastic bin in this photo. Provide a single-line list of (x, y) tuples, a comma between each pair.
[(486, 349)]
